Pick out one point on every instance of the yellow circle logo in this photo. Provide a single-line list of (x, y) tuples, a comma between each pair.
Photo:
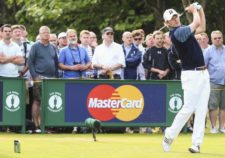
[(125, 103)]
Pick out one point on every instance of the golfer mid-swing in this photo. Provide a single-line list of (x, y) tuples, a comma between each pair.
[(194, 75)]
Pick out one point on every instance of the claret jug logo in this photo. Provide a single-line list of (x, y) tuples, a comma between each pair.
[(175, 103), (125, 103), (12, 101), (55, 102)]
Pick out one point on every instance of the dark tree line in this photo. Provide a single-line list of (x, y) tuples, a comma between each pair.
[(97, 14)]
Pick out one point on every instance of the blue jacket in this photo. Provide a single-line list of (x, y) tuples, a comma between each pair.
[(133, 59)]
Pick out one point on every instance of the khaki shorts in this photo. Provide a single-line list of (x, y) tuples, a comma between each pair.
[(217, 97), (37, 91)]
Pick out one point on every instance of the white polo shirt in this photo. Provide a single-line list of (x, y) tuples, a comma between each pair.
[(9, 69), (109, 56)]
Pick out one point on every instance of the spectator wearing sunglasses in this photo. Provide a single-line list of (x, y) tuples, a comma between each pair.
[(108, 57), (133, 57), (215, 60), (138, 36)]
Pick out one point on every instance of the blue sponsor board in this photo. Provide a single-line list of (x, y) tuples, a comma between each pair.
[(1, 100), (154, 111)]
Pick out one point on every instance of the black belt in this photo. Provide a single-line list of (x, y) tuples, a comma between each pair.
[(196, 69)]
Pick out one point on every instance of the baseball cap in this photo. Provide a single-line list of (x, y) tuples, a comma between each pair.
[(169, 13), (107, 29), (61, 35)]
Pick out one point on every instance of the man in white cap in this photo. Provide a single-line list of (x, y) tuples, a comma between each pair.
[(62, 40), (194, 75)]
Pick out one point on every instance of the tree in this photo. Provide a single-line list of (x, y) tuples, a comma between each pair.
[(6, 11), (96, 14)]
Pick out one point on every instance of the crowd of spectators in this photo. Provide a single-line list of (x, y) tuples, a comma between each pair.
[(136, 57)]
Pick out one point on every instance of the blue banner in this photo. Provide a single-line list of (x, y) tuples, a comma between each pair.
[(136, 103)]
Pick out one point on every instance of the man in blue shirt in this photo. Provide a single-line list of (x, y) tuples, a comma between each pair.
[(194, 76), (215, 61), (73, 59)]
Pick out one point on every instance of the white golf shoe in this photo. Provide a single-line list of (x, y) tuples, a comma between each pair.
[(213, 130), (166, 144), (194, 149), (222, 130)]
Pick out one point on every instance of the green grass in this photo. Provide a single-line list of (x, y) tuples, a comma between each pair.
[(107, 146)]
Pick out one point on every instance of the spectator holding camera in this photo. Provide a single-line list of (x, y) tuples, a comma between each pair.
[(73, 59)]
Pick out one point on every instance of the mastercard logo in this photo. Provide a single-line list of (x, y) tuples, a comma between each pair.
[(105, 102)]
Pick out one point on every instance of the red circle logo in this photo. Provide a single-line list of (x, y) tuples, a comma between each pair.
[(105, 102)]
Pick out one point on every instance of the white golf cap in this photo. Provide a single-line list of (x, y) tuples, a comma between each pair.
[(169, 13), (61, 35)]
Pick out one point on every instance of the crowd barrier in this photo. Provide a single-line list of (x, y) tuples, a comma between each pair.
[(68, 102), (120, 103), (12, 102)]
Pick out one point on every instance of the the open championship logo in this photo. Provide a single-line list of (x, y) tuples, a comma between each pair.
[(55, 102), (124, 103), (12, 101), (175, 103)]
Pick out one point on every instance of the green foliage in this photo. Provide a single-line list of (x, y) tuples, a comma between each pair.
[(96, 14), (82, 14)]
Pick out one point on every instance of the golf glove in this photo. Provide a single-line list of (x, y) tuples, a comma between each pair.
[(197, 5)]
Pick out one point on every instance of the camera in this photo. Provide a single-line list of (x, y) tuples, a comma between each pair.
[(75, 63)]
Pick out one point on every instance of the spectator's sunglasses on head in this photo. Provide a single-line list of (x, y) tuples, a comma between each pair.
[(138, 39)]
